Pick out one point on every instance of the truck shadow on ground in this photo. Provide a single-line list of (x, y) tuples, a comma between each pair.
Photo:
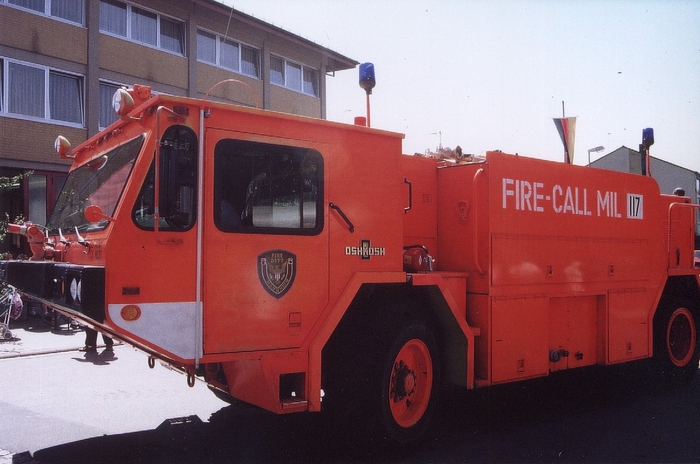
[(618, 414)]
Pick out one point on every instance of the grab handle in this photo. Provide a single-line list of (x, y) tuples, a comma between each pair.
[(351, 227), (410, 196), (476, 224)]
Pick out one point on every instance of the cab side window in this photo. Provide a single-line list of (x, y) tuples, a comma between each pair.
[(267, 188)]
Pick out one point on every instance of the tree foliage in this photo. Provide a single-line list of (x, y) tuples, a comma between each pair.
[(8, 182)]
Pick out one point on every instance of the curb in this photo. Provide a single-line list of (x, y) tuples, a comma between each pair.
[(14, 354)]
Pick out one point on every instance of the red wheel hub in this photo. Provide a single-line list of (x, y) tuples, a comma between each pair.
[(411, 383), (681, 337)]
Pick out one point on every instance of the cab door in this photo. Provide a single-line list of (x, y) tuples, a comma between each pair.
[(265, 247)]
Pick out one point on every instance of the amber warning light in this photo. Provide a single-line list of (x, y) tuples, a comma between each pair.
[(130, 313)]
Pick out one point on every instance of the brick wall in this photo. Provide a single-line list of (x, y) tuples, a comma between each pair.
[(143, 63), (43, 36), (31, 141)]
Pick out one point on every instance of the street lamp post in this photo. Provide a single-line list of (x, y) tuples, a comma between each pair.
[(594, 150)]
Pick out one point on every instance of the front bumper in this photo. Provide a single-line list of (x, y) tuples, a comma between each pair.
[(73, 290), (78, 289)]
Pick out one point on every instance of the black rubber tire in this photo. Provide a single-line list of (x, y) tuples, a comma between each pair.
[(676, 347), (408, 385), (358, 365)]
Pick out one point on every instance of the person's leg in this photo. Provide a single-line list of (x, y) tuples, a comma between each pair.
[(90, 339), (109, 343)]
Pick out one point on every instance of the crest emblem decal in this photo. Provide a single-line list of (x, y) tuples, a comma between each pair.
[(462, 211), (276, 271)]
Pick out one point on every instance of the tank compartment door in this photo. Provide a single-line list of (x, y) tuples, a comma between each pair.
[(573, 323), (628, 331), (519, 338)]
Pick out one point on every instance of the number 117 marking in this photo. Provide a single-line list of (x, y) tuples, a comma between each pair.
[(635, 206)]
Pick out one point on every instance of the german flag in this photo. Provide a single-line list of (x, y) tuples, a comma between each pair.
[(567, 132)]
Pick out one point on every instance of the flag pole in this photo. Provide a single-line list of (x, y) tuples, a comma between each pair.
[(566, 148)]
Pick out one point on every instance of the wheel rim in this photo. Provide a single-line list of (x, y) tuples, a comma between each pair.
[(680, 337), (411, 383)]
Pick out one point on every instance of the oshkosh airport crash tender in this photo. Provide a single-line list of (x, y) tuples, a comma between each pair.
[(257, 252)]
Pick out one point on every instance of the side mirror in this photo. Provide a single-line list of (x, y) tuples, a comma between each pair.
[(94, 213)]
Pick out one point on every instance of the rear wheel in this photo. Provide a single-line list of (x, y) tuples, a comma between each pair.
[(676, 340)]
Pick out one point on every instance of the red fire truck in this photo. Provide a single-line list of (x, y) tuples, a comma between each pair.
[(301, 265)]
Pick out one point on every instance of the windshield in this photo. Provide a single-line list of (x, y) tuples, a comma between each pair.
[(99, 182)]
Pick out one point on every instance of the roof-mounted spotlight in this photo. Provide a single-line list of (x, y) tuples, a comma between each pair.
[(63, 147), (122, 102)]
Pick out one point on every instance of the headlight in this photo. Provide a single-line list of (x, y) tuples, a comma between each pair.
[(75, 290)]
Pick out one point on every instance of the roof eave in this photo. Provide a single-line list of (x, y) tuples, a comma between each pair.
[(335, 61)]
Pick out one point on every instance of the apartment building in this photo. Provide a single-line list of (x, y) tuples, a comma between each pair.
[(62, 60)]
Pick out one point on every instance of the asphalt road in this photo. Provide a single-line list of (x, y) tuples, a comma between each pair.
[(68, 408)]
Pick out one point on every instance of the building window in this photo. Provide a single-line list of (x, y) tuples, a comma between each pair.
[(2, 86), (206, 47), (229, 56), (64, 91), (225, 53), (26, 90), (697, 201), (172, 36), (107, 114), (292, 73), (293, 76), (276, 71), (142, 26), (113, 17), (40, 92), (69, 10), (250, 62), (311, 81)]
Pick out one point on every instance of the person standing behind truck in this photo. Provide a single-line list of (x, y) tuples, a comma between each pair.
[(91, 341)]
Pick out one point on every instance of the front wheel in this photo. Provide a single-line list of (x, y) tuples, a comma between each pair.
[(409, 384), (676, 340)]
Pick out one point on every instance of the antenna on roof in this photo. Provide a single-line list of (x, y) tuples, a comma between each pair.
[(367, 82), (230, 15)]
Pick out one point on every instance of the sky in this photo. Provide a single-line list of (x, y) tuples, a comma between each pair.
[(492, 75)]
